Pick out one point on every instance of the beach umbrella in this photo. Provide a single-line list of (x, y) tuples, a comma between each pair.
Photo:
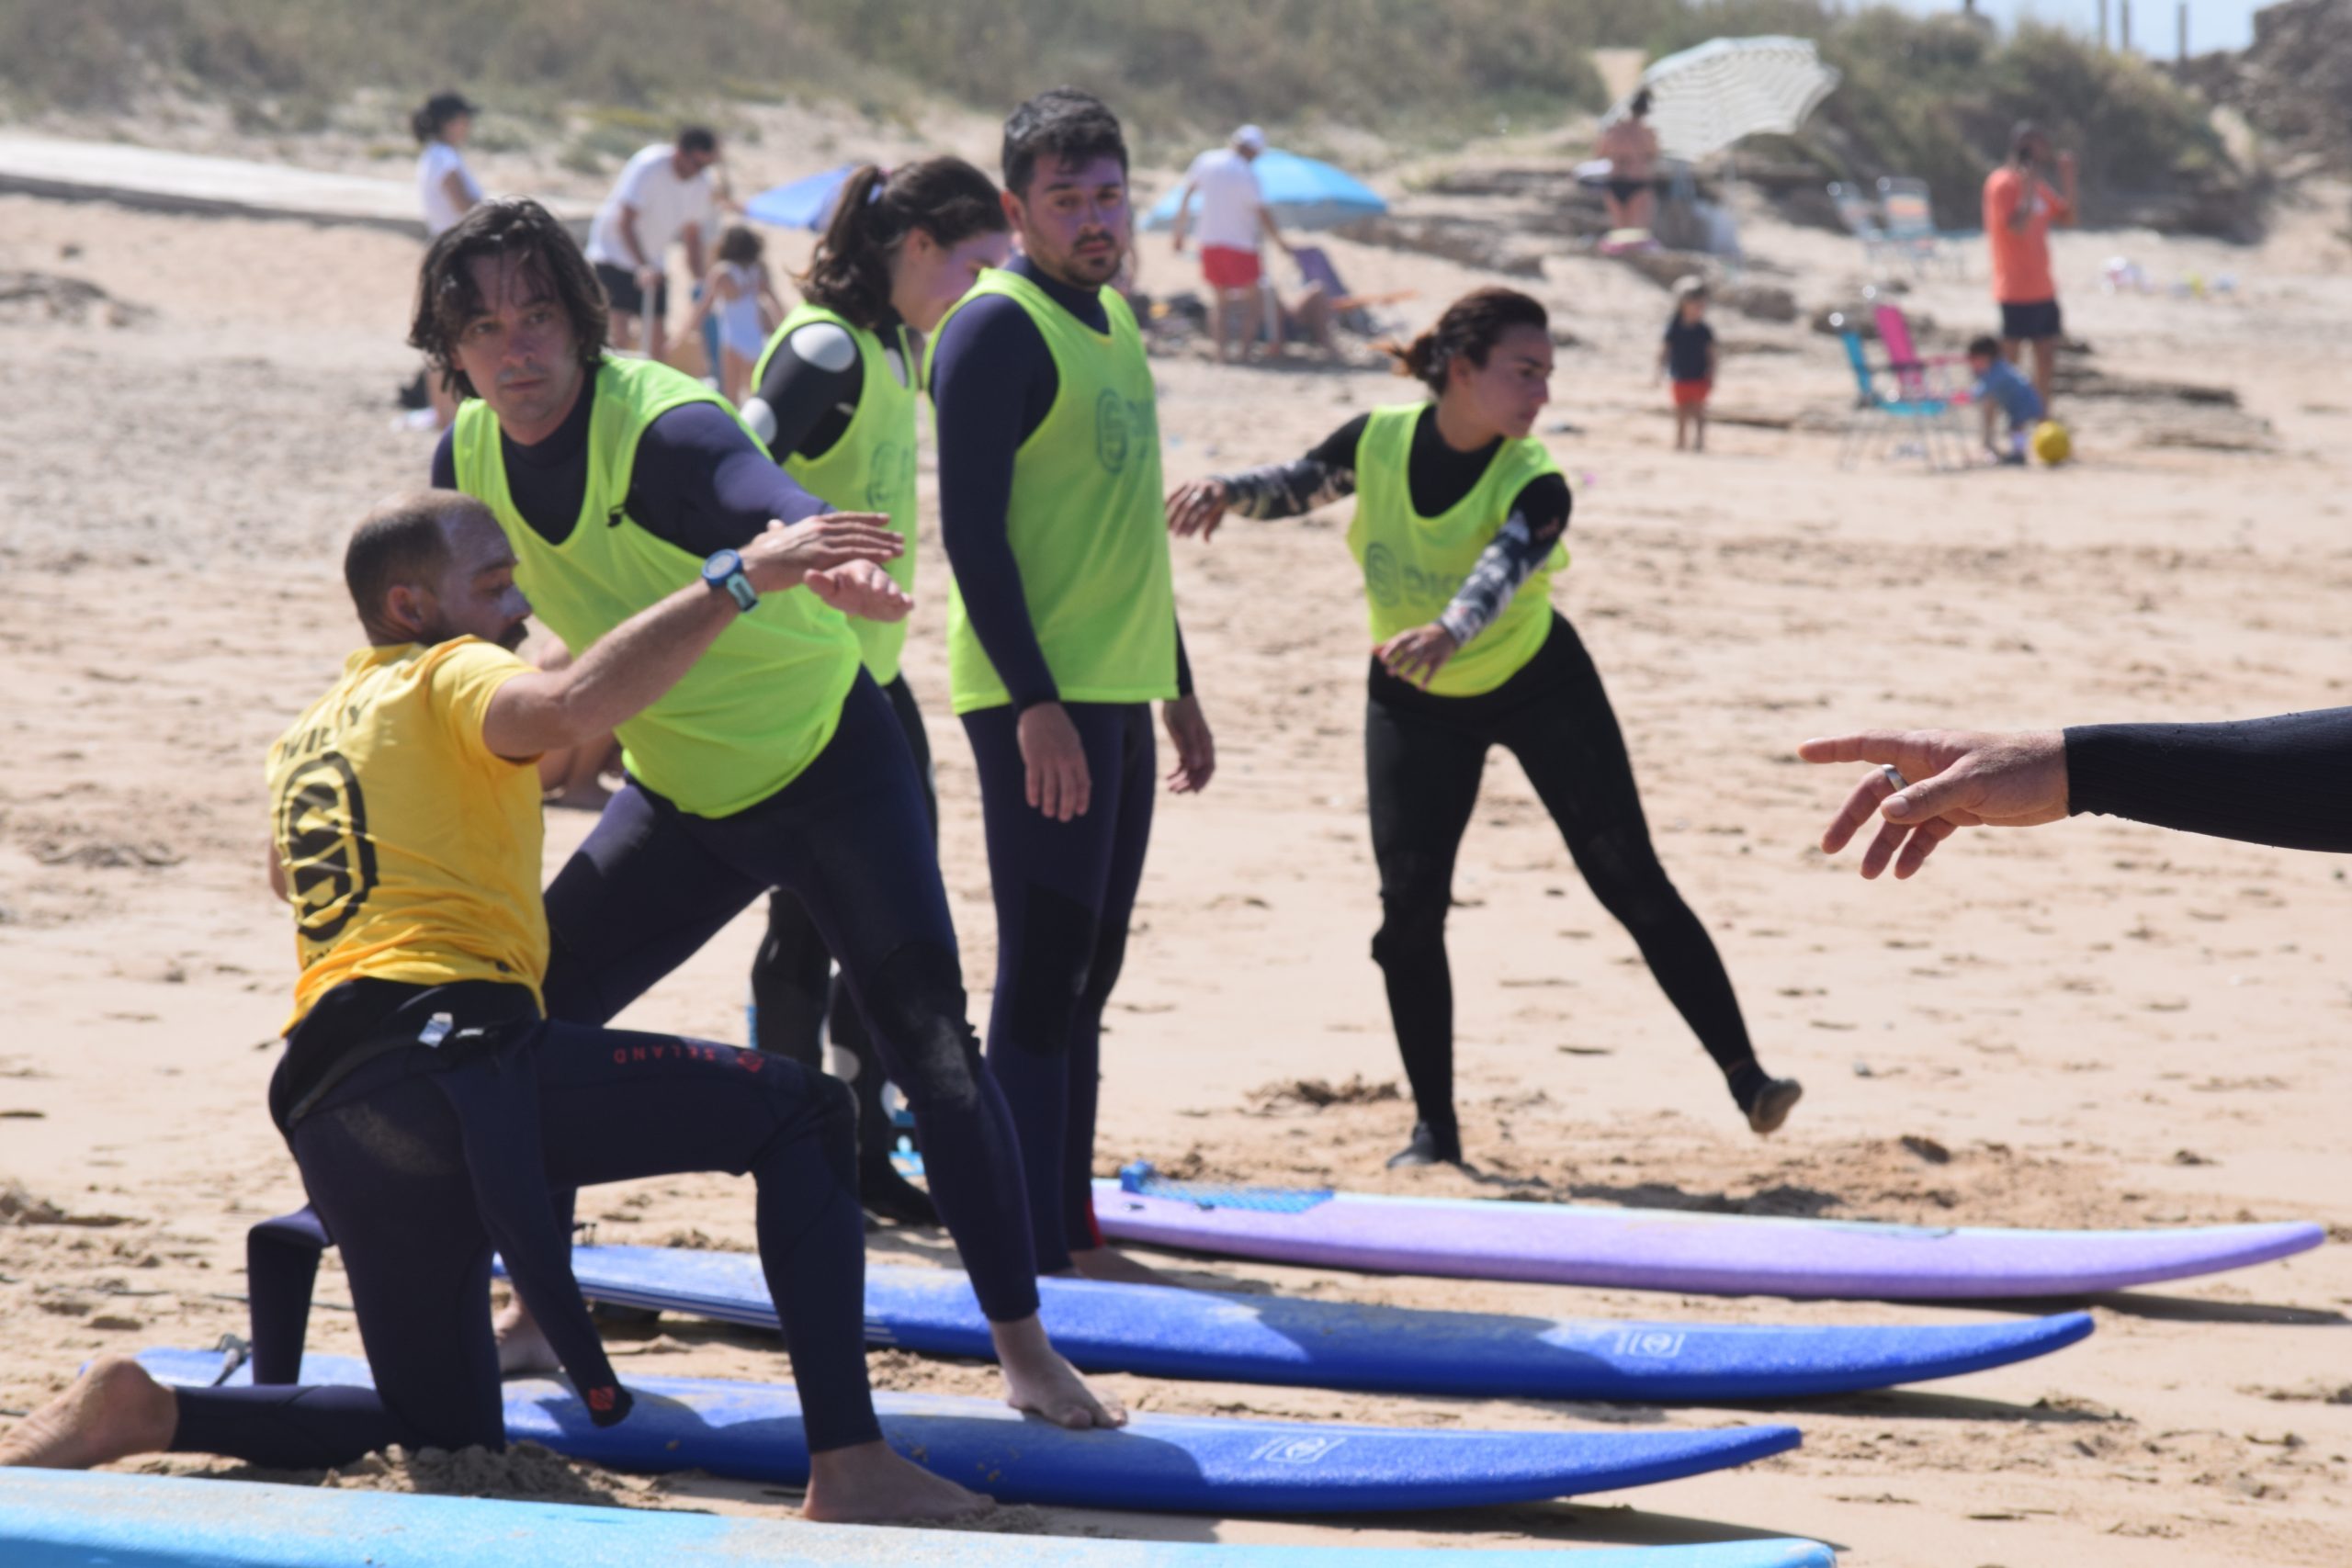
[(1301, 193), (1704, 99), (801, 204)]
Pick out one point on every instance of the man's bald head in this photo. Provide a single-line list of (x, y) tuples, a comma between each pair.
[(406, 553)]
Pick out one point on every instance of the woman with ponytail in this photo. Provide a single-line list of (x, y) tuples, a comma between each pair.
[(1460, 514), (835, 396)]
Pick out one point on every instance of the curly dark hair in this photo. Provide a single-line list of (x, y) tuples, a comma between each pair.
[(1470, 328), (535, 240), (1065, 123), (850, 272)]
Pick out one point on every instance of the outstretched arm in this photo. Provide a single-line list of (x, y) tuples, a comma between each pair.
[(637, 661), (1277, 489), (1537, 518), (2279, 781)]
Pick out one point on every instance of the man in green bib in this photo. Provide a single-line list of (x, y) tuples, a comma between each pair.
[(775, 762), (1061, 630)]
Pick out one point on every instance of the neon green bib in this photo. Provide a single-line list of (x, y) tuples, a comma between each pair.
[(756, 708), (1085, 520), (1413, 565), (871, 467)]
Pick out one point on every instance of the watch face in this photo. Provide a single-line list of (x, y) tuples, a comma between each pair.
[(722, 566)]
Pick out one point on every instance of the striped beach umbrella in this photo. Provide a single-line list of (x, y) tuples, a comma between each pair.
[(1704, 99)]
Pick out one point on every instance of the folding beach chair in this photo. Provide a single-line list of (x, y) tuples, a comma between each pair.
[(1911, 231), (1860, 214), (1917, 375), (1882, 413)]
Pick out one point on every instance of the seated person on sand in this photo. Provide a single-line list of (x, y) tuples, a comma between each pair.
[(2278, 781), (419, 1080), (1631, 147)]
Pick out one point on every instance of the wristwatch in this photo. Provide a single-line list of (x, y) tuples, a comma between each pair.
[(724, 570)]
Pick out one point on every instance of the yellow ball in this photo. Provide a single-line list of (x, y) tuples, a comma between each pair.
[(2051, 444)]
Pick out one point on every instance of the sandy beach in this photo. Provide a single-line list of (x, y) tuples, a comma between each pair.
[(2094, 1025)]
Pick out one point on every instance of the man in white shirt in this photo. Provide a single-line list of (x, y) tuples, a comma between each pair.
[(1233, 219), (665, 192)]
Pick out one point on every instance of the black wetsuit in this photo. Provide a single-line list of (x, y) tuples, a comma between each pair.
[(2284, 781), (1064, 891), (849, 837), (1424, 755), (408, 1163), (803, 407)]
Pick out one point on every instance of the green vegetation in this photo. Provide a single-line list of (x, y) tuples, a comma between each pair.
[(1930, 96)]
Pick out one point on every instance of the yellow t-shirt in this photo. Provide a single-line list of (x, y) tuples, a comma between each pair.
[(410, 850)]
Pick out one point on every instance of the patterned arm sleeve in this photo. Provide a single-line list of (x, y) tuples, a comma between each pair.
[(1537, 518), (1295, 489)]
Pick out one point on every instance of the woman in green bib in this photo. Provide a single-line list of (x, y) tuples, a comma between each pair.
[(1460, 514), (835, 398)]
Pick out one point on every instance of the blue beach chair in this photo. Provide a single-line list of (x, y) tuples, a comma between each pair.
[(1883, 411)]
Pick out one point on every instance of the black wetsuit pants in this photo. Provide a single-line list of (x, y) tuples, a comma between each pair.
[(381, 1160), (849, 838), (1423, 756), (1064, 894), (799, 1000)]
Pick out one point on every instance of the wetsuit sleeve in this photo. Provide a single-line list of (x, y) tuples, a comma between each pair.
[(2283, 781), (986, 378), (1539, 516), (702, 482), (1183, 664), (1296, 488), (445, 460), (797, 407)]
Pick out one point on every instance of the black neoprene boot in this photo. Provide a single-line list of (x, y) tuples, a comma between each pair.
[(1430, 1145)]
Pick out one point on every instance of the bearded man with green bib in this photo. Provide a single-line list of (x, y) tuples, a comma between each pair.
[(776, 762), (1062, 631), (835, 396), (1460, 514)]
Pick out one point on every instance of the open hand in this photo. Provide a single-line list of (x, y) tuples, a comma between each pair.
[(786, 553), (1196, 508), (1188, 731), (863, 588), (1418, 654), (1954, 778), (1055, 760)]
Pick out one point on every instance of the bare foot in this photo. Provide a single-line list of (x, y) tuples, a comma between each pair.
[(522, 1348), (868, 1484), (1037, 1379), (113, 1411), (1109, 1263)]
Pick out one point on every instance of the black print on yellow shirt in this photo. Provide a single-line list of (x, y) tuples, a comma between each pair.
[(323, 838)]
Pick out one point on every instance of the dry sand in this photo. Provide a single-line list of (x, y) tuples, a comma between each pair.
[(2096, 1025)]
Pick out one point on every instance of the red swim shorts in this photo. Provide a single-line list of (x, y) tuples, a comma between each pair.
[(1692, 394), (1222, 266)]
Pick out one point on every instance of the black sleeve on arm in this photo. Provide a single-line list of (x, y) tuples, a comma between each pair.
[(703, 484), (1183, 664), (1539, 516), (1296, 488), (984, 372), (2284, 781), (804, 403), (445, 460)]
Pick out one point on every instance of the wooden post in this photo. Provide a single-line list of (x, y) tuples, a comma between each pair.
[(2180, 47), (2102, 26), (2126, 6)]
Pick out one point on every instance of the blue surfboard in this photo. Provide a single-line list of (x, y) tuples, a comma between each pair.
[(1168, 1464), (80, 1519), (1162, 1332)]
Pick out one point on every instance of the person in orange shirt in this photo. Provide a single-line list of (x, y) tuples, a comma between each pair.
[(2019, 206)]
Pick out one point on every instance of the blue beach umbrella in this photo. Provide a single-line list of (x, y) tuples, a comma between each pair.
[(1301, 193), (806, 203)]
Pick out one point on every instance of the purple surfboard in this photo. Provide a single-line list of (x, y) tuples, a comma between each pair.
[(1666, 1249)]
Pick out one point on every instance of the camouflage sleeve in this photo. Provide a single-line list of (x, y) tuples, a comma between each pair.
[(1538, 519)]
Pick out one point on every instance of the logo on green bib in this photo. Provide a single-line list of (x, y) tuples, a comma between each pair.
[(885, 471), (1112, 435)]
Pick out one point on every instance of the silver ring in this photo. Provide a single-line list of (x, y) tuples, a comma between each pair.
[(1894, 777)]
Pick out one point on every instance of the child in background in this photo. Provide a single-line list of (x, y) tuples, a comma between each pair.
[(1999, 390), (743, 301), (1687, 359)]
